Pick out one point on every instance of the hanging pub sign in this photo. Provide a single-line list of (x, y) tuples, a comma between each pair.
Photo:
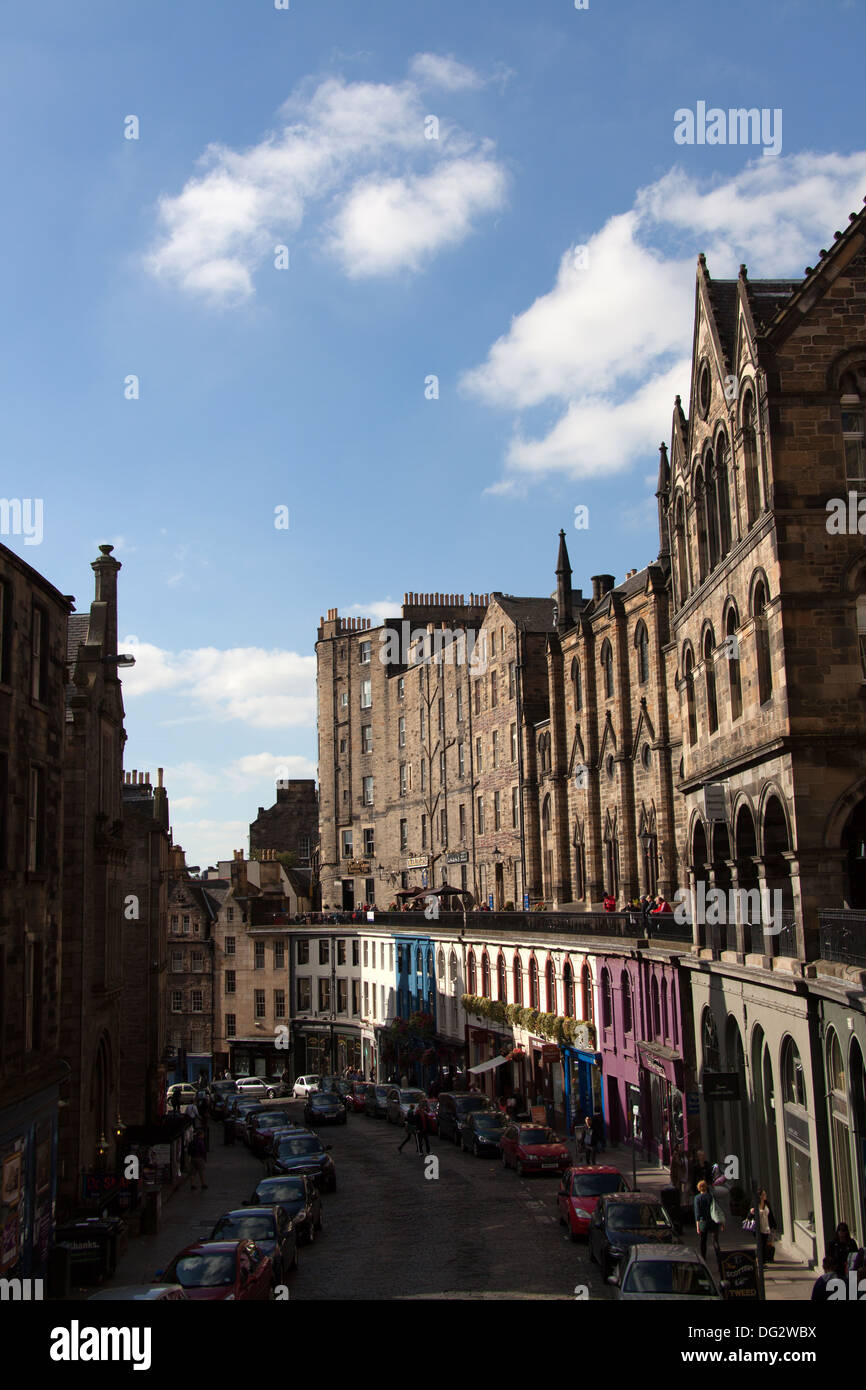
[(721, 1085), (740, 1274)]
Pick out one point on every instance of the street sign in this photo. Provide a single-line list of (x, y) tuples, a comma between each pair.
[(490, 901), (693, 1103), (526, 902)]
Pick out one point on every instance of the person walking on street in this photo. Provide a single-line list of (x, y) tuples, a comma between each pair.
[(198, 1154), (423, 1129), (586, 1139), (766, 1225), (597, 1133), (411, 1129), (840, 1248), (174, 1102), (705, 1224)]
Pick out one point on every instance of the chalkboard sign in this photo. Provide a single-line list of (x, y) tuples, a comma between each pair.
[(740, 1273)]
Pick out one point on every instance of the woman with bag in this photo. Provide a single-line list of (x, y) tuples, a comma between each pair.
[(765, 1222), (705, 1221)]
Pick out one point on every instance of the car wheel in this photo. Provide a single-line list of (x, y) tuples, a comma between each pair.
[(271, 1095)]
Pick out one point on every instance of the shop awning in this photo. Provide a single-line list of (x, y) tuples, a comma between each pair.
[(488, 1066)]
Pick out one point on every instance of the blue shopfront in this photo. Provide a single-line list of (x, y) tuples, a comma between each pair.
[(584, 1093)]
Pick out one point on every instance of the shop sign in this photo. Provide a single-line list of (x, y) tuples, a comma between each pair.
[(550, 1053), (457, 856), (721, 1086), (416, 861), (693, 1103), (359, 866), (740, 1274), (653, 1064), (797, 1129)]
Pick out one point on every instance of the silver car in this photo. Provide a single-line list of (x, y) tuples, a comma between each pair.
[(669, 1273), (306, 1085)]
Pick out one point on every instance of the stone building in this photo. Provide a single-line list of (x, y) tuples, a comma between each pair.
[(291, 825), (189, 993), (145, 949), (94, 868), (33, 618)]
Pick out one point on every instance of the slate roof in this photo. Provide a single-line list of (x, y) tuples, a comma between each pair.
[(532, 614)]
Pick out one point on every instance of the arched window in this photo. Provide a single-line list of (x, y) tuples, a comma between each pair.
[(853, 391), (502, 978), (710, 672), (712, 506), (534, 1000), (723, 494), (732, 651), (606, 1000), (550, 990), (762, 642), (665, 1020), (568, 990), (794, 1120), (627, 1015), (440, 967), (576, 685), (452, 970), (710, 1042), (655, 1007), (485, 975), (701, 524), (641, 642), (470, 971), (689, 682), (607, 667), (586, 993), (840, 1130), (751, 460), (681, 553), (517, 973)]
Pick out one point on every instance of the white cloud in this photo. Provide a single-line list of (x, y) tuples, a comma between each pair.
[(608, 347), (381, 609), (353, 147), (437, 70), (265, 689)]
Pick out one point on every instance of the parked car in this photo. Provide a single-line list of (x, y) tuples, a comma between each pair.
[(262, 1125), (219, 1094), (301, 1198), (252, 1086), (671, 1273), (622, 1219), (186, 1091), (270, 1228), (376, 1101), (239, 1111), (533, 1148), (433, 1113), (230, 1270), (579, 1193), (454, 1109), (305, 1085), (324, 1108), (357, 1100), (303, 1152), (338, 1085), (139, 1293), (277, 1087), (398, 1102), (481, 1132)]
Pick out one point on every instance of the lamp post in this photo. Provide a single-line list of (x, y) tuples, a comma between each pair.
[(635, 1111)]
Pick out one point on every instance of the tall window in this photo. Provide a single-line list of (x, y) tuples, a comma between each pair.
[(606, 1001), (515, 806), (701, 521), (732, 649), (762, 642), (401, 731), (627, 1013), (853, 384), (641, 642), (38, 653), (459, 704), (36, 821), (682, 561), (461, 759), (501, 978), (710, 673), (607, 667), (485, 975), (259, 955), (750, 460), (497, 813), (568, 989), (517, 973), (533, 983), (576, 685), (481, 815), (479, 760), (586, 993), (550, 987), (689, 682), (494, 691), (495, 748), (723, 495), (514, 743), (366, 694)]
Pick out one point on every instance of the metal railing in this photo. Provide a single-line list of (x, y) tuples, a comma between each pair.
[(781, 942), (843, 936)]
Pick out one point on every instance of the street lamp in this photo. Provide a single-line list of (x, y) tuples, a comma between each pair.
[(635, 1111)]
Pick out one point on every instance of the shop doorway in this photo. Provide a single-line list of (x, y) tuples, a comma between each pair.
[(348, 895)]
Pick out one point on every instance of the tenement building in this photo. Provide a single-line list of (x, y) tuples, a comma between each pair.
[(697, 730)]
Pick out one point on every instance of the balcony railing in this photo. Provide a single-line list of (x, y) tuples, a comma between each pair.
[(843, 936), (782, 942), (611, 924)]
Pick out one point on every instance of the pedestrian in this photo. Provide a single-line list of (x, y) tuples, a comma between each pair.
[(198, 1154), (411, 1129), (423, 1135), (766, 1225), (841, 1247), (597, 1132), (722, 1194), (174, 1101), (820, 1292), (705, 1223), (700, 1170), (609, 902), (587, 1141)]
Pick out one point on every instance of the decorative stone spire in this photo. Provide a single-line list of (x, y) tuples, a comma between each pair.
[(564, 615)]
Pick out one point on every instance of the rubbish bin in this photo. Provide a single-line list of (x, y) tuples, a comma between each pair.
[(93, 1246), (670, 1200)]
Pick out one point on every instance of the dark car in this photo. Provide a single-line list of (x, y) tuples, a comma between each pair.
[(481, 1132), (238, 1109), (339, 1086), (579, 1194), (219, 1094), (262, 1125), (622, 1219), (229, 1270), (303, 1152), (376, 1101), (324, 1108), (399, 1101), (270, 1228), (533, 1148), (455, 1107), (301, 1198)]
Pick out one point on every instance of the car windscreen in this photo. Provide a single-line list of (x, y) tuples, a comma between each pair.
[(622, 1216), (203, 1271), (489, 1120), (323, 1100), (464, 1105), (537, 1136), (297, 1148), (596, 1184), (281, 1193), (255, 1226), (682, 1277)]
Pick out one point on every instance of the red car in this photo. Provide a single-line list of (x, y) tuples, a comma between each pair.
[(230, 1270), (533, 1149), (358, 1097), (262, 1128), (433, 1114), (578, 1195)]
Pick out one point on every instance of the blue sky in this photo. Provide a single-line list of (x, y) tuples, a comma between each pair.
[(537, 257)]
